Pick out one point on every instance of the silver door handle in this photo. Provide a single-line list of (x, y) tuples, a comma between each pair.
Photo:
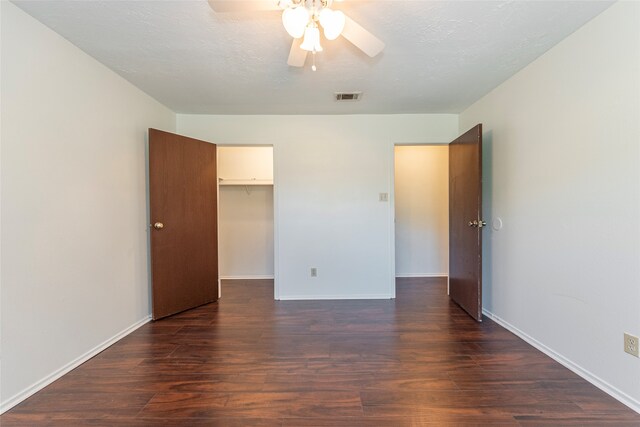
[(476, 223)]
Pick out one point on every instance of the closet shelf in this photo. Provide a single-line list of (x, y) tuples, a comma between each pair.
[(252, 181)]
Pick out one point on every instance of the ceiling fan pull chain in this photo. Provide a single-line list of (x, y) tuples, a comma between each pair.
[(313, 56)]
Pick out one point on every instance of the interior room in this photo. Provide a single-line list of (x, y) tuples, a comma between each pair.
[(334, 150)]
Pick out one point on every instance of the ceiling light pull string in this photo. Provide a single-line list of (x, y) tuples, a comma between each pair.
[(316, 7)]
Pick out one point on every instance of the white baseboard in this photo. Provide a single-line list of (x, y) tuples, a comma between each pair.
[(246, 277), (578, 370), (402, 276), (333, 297), (39, 385)]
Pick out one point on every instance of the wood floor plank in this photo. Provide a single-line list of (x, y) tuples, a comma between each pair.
[(186, 405), (464, 401), (248, 360), (80, 405), (14, 421), (570, 419), (250, 405), (188, 383), (407, 421)]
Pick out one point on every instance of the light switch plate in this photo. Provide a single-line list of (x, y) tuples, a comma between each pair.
[(384, 197)]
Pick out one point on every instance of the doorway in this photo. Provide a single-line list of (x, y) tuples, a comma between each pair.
[(245, 216), (185, 180), (421, 188), (438, 212)]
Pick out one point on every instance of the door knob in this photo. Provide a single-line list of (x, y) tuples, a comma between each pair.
[(476, 223), (158, 226)]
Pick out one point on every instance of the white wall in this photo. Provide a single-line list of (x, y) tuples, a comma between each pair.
[(562, 156), (245, 217), (422, 210), (329, 171), (74, 240), (245, 232), (245, 164)]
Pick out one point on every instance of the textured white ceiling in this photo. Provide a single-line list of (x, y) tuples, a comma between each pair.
[(441, 56)]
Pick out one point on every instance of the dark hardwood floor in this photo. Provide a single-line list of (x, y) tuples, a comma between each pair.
[(249, 360)]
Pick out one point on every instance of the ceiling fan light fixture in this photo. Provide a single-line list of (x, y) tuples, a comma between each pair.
[(295, 21), (302, 20), (311, 41), (332, 22)]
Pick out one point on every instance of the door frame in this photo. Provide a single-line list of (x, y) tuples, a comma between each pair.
[(392, 209), (276, 217)]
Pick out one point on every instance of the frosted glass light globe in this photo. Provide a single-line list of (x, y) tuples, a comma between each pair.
[(311, 41), (332, 22), (295, 21)]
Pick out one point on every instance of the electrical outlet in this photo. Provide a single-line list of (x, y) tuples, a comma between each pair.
[(631, 345), (314, 272)]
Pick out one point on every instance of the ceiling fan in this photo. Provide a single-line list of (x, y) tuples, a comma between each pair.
[(303, 19)]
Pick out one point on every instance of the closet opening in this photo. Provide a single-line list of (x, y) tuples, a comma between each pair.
[(421, 197), (245, 219)]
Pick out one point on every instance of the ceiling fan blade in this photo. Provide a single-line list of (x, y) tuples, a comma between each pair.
[(361, 38), (297, 56), (243, 5)]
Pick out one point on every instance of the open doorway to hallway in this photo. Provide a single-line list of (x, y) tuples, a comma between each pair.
[(421, 187)]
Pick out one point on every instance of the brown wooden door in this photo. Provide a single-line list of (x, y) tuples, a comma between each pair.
[(465, 221), (184, 222)]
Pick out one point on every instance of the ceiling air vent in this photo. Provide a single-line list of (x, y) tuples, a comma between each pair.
[(348, 96)]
